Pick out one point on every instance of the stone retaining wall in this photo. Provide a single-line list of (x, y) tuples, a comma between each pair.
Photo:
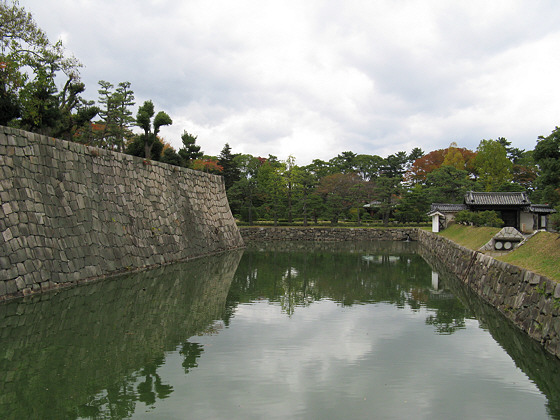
[(530, 301), (260, 234), (71, 213)]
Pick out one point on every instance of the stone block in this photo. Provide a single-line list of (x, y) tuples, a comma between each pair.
[(547, 306), (7, 208), (557, 291), (549, 286), (21, 269), (20, 283), (11, 287), (7, 235), (534, 279)]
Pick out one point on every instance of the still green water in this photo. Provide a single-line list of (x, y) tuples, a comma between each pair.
[(306, 331)]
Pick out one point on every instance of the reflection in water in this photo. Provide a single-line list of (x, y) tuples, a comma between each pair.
[(95, 351), (152, 384), (289, 330), (190, 352), (296, 274), (540, 366)]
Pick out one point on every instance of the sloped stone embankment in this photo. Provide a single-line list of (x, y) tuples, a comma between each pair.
[(530, 301), (71, 213)]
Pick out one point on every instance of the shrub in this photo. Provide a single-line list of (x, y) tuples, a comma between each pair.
[(484, 218), (490, 218), (554, 220), (464, 217)]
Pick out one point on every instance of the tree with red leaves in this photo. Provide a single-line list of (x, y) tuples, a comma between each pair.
[(208, 165), (458, 157)]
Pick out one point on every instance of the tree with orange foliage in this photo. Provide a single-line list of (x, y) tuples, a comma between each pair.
[(458, 157), (426, 164), (207, 164)]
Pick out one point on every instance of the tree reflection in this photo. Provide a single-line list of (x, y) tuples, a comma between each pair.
[(348, 274), (96, 351), (191, 352), (448, 317), (119, 402), (152, 387)]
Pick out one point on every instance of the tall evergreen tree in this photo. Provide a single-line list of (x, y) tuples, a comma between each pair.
[(344, 163), (230, 171), (448, 184), (386, 189), (123, 99), (116, 116)]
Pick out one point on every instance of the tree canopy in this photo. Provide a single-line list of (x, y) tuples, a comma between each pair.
[(492, 165), (400, 186), (547, 157), (151, 128)]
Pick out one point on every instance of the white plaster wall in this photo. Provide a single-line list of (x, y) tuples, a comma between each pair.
[(526, 222)]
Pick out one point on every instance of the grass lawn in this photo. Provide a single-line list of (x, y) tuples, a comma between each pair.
[(540, 254), (469, 236)]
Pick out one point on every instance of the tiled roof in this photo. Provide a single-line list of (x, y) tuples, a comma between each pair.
[(447, 207), (497, 199), (477, 201), (541, 208)]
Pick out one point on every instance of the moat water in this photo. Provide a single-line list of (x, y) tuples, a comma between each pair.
[(277, 331)]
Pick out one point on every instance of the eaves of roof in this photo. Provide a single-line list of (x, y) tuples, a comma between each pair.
[(496, 199)]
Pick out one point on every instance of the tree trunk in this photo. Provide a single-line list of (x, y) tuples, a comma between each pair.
[(147, 150), (304, 211), (290, 202), (386, 218)]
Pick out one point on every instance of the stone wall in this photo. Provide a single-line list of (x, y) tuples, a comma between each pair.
[(71, 213), (530, 301), (260, 234)]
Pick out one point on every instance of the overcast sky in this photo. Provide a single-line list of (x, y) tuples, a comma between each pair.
[(315, 78)]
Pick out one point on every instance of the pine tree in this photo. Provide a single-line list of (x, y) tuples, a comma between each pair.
[(190, 150), (151, 129), (116, 117), (122, 100), (230, 171)]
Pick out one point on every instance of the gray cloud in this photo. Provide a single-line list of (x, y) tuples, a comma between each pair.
[(313, 79)]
